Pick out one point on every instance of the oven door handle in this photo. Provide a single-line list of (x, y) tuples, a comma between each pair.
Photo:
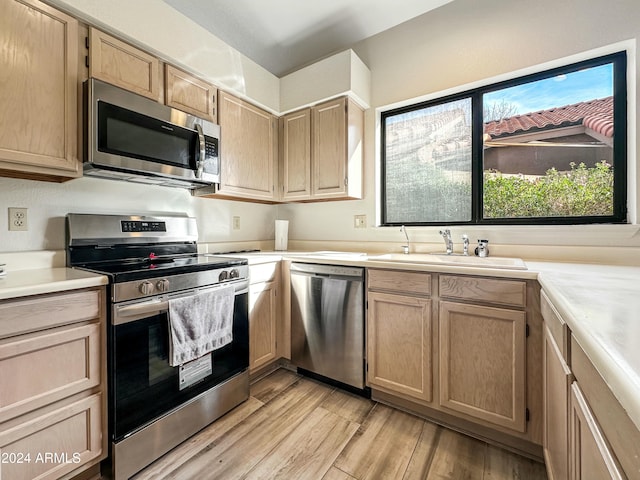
[(129, 313)]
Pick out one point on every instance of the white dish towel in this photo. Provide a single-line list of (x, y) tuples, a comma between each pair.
[(199, 324)]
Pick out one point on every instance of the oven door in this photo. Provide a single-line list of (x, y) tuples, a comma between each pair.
[(143, 386)]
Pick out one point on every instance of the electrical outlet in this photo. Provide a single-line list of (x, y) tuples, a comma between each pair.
[(236, 223), (360, 221), (18, 219)]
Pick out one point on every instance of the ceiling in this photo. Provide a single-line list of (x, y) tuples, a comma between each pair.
[(284, 35)]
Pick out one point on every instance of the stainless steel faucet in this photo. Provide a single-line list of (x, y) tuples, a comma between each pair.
[(407, 247), (446, 234)]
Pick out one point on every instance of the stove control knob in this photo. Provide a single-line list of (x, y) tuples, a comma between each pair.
[(234, 273), (146, 287), (162, 285), (223, 276)]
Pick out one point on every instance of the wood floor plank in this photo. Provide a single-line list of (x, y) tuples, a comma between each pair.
[(503, 465), (347, 405), (457, 457), (237, 452), (383, 445), (184, 452), (418, 468), (337, 474), (272, 385), (308, 452), (304, 426)]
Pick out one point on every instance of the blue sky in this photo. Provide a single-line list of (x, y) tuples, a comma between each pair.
[(588, 84)]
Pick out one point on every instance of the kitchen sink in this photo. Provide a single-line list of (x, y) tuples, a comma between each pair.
[(460, 260)]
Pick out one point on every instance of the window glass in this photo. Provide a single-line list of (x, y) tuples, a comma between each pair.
[(428, 164), (546, 148)]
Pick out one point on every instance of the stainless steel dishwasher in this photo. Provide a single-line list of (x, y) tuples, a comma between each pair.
[(327, 321)]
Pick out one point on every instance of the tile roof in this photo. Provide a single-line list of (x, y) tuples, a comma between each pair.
[(594, 114)]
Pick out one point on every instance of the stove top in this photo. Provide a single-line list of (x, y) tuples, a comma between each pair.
[(136, 247), (129, 270)]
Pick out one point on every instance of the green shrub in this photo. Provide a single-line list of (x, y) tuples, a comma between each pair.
[(581, 191)]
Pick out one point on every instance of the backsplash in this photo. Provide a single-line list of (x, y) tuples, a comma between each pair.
[(48, 204)]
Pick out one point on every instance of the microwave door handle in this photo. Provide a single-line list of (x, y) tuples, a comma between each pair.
[(200, 160)]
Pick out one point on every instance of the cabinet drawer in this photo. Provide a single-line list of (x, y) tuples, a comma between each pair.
[(403, 282), (556, 325), (35, 313), (264, 272), (55, 443), (48, 367), (502, 292)]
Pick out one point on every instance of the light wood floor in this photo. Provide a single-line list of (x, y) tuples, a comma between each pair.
[(296, 428)]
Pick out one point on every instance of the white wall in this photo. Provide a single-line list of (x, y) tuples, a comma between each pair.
[(48, 203), (162, 30), (466, 43)]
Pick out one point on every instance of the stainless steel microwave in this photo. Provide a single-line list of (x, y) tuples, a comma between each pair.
[(132, 138)]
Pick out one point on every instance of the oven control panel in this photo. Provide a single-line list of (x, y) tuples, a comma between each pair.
[(135, 226), (175, 283)]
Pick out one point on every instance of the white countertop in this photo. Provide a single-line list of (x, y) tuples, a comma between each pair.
[(21, 283)]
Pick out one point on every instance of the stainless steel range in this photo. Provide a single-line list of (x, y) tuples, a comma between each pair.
[(152, 261)]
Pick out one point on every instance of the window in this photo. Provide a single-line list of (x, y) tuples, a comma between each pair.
[(541, 149)]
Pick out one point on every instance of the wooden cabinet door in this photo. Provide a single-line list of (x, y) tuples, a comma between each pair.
[(263, 316), (557, 381), (190, 94), (123, 65), (329, 149), (590, 456), (248, 150), (39, 92), (482, 363), (336, 150), (296, 155), (399, 337)]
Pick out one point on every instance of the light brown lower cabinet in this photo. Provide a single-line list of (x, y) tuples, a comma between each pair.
[(463, 350), (591, 458), (399, 339), (54, 443), (483, 363), (264, 311), (52, 385), (557, 384)]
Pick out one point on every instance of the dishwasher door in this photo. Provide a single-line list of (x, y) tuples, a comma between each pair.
[(327, 321)]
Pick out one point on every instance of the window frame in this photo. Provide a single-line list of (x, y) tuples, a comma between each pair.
[(620, 159)]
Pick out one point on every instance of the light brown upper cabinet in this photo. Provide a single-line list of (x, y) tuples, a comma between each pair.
[(295, 130), (322, 152), (190, 94), (248, 150), (39, 93), (123, 65)]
